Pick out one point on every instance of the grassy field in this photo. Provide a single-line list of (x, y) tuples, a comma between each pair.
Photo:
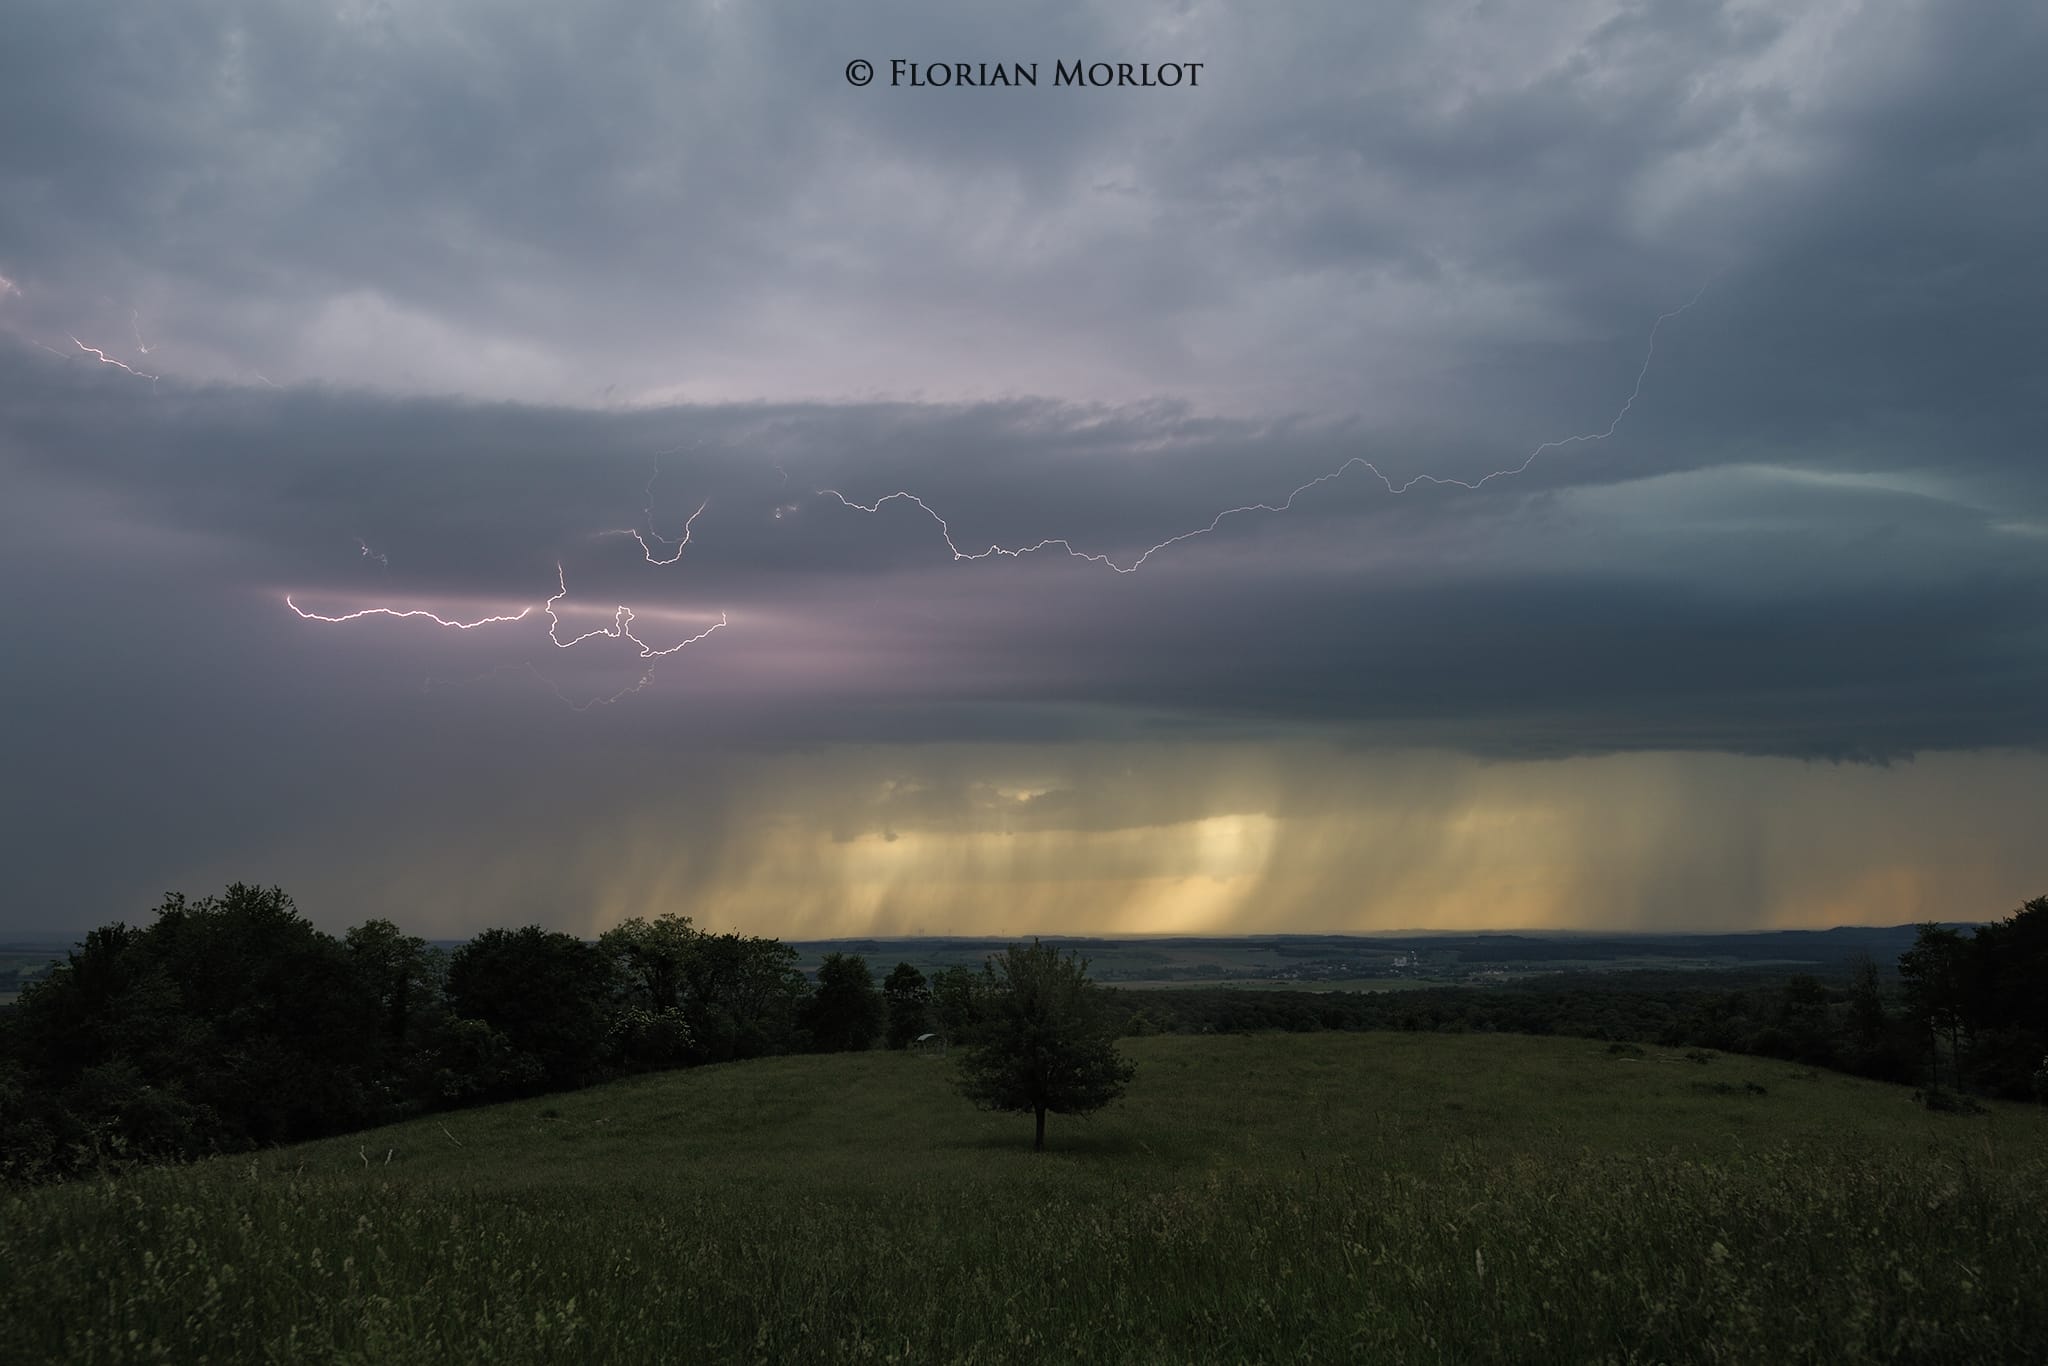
[(1379, 1198)]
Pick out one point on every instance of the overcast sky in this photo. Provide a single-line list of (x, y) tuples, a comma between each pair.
[(1673, 376)]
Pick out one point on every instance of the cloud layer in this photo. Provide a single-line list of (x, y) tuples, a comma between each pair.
[(443, 301)]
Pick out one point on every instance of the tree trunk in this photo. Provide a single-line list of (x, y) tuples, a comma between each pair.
[(1039, 1145)]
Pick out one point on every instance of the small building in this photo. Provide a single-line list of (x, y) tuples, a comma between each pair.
[(929, 1043)]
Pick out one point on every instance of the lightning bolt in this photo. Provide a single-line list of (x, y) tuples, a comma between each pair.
[(8, 286), (135, 326), (438, 620), (620, 629), (647, 492), (647, 550), (1355, 462), (623, 616), (379, 556), (106, 359)]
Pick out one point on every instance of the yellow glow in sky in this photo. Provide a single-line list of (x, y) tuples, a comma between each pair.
[(1237, 838)]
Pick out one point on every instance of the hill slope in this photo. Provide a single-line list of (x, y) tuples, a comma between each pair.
[(1318, 1197)]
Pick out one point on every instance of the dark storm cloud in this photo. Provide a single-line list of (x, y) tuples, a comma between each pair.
[(531, 274), (1653, 601), (1367, 209)]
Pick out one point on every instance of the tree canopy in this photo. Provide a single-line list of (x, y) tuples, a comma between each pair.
[(1045, 1045), (909, 1002), (233, 1021), (846, 1013), (545, 991)]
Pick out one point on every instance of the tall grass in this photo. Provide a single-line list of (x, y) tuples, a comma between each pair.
[(1283, 1199)]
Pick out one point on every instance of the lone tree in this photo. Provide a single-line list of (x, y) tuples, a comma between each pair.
[(1044, 1044)]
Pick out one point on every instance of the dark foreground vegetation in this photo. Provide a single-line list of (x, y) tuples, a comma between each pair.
[(1341, 1198), (233, 1023)]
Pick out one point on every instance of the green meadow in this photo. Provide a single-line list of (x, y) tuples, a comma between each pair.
[(1324, 1197)]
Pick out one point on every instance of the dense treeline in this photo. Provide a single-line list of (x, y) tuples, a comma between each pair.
[(1979, 1005), (233, 1022), (1971, 1012)]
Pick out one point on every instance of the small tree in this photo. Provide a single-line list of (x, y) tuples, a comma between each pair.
[(909, 1001), (1045, 1045)]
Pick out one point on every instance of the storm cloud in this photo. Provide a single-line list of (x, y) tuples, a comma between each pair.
[(433, 308)]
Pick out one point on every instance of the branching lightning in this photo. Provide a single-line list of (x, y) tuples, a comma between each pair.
[(660, 550), (647, 493), (620, 629), (1355, 462), (648, 550)]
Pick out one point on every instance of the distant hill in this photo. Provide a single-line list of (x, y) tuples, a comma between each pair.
[(1439, 957)]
